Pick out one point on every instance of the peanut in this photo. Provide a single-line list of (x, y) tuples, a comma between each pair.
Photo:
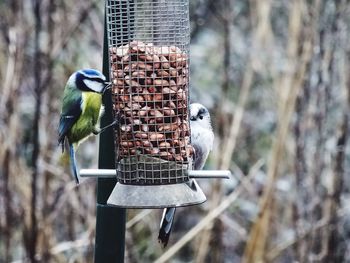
[(124, 98), (146, 57), (173, 72), (144, 128), (125, 128), (134, 106), (168, 127), (146, 143), (120, 51), (130, 67), (118, 73), (146, 95), (138, 74), (164, 145), (163, 73), (118, 82), (143, 111), (180, 81), (149, 81), (132, 83), (168, 112), (141, 135), (156, 113), (166, 155), (179, 158), (164, 62), (181, 95), (160, 82), (157, 97), (138, 98), (152, 89), (154, 151), (127, 144), (146, 109), (147, 67), (156, 136), (171, 104), (190, 150), (136, 122), (167, 90)]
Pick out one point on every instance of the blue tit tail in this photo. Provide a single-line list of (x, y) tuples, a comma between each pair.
[(73, 163), (166, 225)]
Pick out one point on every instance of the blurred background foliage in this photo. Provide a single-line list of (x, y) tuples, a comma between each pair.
[(275, 76)]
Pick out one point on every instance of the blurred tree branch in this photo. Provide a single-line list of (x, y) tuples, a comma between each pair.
[(291, 83)]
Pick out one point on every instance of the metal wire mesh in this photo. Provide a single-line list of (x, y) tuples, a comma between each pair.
[(149, 67)]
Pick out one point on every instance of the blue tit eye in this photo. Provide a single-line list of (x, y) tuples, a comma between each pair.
[(201, 117), (193, 118)]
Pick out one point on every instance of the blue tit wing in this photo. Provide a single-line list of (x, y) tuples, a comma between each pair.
[(70, 114)]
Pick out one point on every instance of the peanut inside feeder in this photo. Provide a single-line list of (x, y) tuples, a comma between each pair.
[(150, 93)]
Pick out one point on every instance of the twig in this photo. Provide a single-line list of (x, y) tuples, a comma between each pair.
[(230, 143), (140, 216), (277, 250), (32, 237), (256, 246), (84, 241), (234, 226), (63, 40), (66, 245)]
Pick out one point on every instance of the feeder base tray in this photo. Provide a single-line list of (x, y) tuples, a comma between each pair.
[(156, 196)]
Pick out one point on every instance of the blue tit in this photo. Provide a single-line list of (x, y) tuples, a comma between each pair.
[(81, 110), (202, 139)]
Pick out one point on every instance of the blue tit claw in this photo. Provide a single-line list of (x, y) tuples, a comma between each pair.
[(108, 86), (96, 132)]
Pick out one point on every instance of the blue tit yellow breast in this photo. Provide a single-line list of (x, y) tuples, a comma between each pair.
[(86, 124)]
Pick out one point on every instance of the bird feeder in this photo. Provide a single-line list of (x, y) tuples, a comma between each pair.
[(148, 43), (149, 68)]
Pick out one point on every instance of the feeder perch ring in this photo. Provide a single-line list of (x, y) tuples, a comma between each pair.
[(194, 174)]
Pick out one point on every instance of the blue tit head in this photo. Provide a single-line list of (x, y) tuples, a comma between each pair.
[(89, 80)]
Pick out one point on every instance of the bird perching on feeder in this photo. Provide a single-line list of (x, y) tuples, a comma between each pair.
[(202, 139), (81, 110)]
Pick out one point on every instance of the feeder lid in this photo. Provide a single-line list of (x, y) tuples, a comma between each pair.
[(156, 196)]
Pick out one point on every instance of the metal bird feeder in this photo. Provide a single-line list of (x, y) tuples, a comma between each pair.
[(149, 68)]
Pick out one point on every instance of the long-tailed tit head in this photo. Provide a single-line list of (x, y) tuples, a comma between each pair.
[(202, 136), (199, 115)]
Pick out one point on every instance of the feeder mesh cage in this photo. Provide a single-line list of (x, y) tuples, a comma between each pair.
[(149, 68)]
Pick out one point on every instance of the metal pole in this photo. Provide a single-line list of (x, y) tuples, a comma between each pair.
[(110, 221)]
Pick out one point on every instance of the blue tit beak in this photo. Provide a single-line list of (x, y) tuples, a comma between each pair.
[(108, 86)]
